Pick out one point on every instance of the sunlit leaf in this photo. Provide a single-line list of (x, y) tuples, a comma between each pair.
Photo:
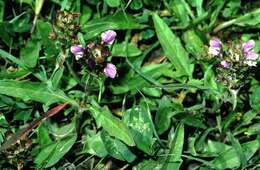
[(114, 126)]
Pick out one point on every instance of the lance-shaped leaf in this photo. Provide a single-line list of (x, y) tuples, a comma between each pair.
[(116, 148), (35, 91), (53, 152), (115, 22), (172, 47), (230, 159), (173, 161), (114, 126)]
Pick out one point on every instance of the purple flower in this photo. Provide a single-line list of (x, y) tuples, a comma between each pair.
[(215, 47), (248, 46), (108, 37), (225, 64), (77, 50), (247, 49), (110, 70)]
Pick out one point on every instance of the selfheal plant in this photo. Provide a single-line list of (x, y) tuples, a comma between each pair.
[(215, 48), (95, 54), (234, 61), (108, 37), (77, 50)]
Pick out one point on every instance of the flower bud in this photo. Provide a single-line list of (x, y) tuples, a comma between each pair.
[(108, 37), (77, 50), (110, 70), (215, 47)]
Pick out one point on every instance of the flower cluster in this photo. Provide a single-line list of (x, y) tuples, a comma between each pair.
[(234, 61), (66, 29), (95, 53), (249, 57)]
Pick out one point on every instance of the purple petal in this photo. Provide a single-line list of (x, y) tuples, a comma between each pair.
[(251, 55), (215, 43), (108, 37), (76, 48), (248, 46), (225, 64), (110, 70)]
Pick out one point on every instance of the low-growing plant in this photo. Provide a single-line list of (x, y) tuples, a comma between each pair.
[(134, 84)]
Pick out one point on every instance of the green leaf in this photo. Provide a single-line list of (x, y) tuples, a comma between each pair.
[(230, 158), (35, 91), (3, 128), (191, 120), (248, 117), (164, 114), (53, 152), (148, 164), (114, 126), (194, 44), (173, 160), (216, 8), (249, 19), (231, 8), (94, 145), (239, 151), (253, 129), (5, 74), (29, 2), (21, 23), (85, 15), (119, 50), (117, 149), (198, 4), (130, 82), (5, 33), (172, 47), (200, 142), (44, 29), (43, 137), (137, 119), (209, 76), (12, 58), (136, 4), (255, 99), (119, 21), (147, 34), (56, 77), (216, 148), (152, 92), (113, 3), (30, 54), (179, 8), (2, 10)]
